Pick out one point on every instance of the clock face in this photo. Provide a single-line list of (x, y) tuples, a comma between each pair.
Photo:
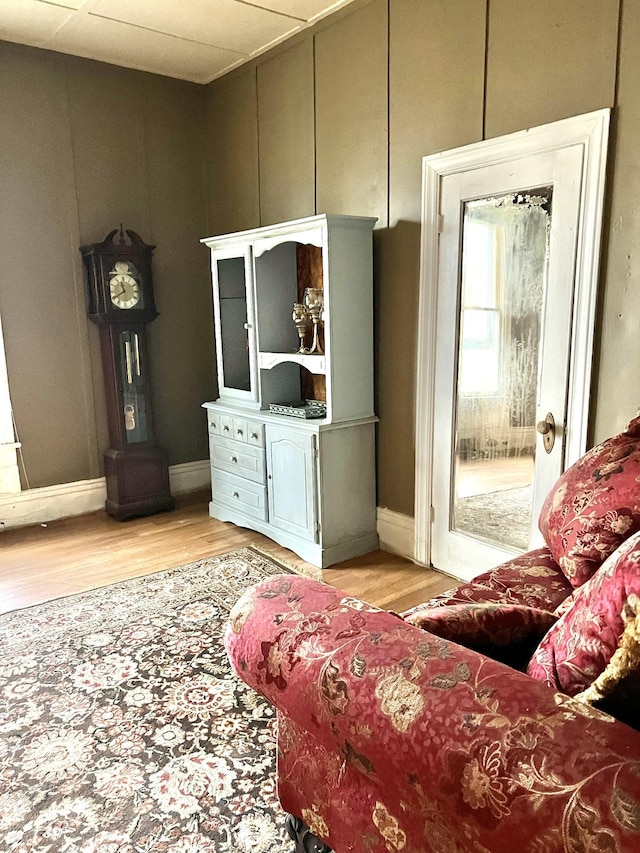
[(124, 289)]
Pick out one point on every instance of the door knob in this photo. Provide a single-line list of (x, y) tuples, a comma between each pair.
[(547, 429)]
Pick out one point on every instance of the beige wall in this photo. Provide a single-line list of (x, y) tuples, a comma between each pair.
[(84, 147), (617, 365), (393, 81)]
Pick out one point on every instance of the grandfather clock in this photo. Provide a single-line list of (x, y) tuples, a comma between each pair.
[(119, 292)]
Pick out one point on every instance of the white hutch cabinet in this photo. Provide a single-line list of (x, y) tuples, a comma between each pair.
[(309, 484)]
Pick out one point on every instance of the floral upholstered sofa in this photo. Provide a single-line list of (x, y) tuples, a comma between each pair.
[(489, 719)]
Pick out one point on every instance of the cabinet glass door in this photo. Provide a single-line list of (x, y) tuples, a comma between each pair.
[(234, 327)]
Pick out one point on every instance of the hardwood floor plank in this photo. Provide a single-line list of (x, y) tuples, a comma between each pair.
[(63, 557)]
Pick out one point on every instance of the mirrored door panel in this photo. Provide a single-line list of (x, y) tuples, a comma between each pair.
[(505, 253)]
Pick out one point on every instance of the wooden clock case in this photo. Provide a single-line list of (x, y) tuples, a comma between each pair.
[(136, 469)]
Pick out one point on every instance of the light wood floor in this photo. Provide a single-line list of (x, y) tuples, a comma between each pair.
[(475, 477), (71, 555)]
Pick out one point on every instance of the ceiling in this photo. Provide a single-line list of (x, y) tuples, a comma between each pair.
[(195, 40)]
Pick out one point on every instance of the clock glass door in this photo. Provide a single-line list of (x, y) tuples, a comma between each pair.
[(134, 410)]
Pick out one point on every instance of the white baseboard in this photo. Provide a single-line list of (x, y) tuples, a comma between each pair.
[(38, 506), (396, 532), (189, 477)]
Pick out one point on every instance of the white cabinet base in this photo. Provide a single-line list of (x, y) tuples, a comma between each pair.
[(309, 551), (316, 495)]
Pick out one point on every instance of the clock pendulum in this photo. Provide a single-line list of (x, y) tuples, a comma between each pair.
[(119, 293)]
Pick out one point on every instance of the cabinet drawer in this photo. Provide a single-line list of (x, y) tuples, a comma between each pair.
[(226, 426), (239, 432), (240, 494), (237, 428), (255, 433), (237, 458), (251, 432)]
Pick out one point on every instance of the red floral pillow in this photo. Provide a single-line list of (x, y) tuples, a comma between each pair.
[(593, 650), (594, 506), (504, 632)]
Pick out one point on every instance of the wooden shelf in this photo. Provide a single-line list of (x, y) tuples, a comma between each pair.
[(312, 362)]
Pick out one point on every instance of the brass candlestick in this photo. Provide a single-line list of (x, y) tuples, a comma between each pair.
[(314, 303), (300, 318)]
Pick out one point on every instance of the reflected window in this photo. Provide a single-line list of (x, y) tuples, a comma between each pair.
[(481, 320)]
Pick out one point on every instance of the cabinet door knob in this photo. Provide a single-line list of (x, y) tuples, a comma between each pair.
[(236, 494), (246, 326), (239, 431), (214, 424), (254, 435), (225, 429), (234, 459), (268, 476)]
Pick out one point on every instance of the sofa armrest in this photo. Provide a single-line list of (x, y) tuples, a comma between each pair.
[(441, 726)]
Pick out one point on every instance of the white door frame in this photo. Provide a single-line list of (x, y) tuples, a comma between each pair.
[(589, 130)]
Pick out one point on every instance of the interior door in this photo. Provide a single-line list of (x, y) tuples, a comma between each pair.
[(492, 319), (503, 336)]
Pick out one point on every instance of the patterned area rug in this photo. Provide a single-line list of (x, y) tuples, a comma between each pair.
[(123, 728), (502, 517)]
